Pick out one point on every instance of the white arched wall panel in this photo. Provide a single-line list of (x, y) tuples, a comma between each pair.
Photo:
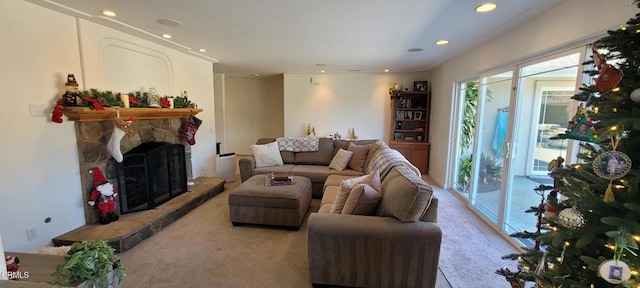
[(122, 62)]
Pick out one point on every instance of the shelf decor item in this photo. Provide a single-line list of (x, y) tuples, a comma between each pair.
[(420, 85)]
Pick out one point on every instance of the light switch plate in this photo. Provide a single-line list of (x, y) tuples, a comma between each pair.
[(37, 110)]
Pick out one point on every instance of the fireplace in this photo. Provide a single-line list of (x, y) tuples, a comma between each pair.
[(149, 175)]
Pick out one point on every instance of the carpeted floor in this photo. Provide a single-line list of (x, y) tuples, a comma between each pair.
[(203, 249)]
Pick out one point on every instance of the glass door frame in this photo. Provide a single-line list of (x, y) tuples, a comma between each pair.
[(515, 103)]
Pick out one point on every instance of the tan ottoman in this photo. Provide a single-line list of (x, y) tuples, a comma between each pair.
[(254, 203)]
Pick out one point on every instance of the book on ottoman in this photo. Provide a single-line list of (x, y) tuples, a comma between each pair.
[(278, 179)]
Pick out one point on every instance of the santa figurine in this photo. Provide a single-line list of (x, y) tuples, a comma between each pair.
[(13, 264), (103, 195)]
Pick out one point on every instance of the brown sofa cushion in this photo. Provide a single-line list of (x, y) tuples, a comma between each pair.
[(341, 159), (359, 156), (345, 189), (363, 200), (316, 173), (321, 157), (405, 195)]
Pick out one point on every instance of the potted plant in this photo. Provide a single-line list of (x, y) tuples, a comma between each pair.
[(90, 264)]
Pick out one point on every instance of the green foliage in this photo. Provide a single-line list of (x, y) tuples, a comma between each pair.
[(464, 173), (572, 257), (183, 102), (105, 98), (469, 115), (89, 261)]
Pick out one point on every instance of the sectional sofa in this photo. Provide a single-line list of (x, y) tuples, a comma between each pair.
[(394, 243)]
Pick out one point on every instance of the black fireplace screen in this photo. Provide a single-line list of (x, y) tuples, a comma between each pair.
[(151, 174)]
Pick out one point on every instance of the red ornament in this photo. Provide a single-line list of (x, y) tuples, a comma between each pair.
[(609, 76)]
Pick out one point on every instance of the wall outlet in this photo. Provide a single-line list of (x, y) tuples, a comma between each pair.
[(31, 234)]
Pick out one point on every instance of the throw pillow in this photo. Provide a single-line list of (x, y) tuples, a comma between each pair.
[(345, 189), (267, 155), (359, 156), (363, 199), (340, 161)]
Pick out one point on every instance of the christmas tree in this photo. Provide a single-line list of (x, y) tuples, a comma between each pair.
[(592, 241)]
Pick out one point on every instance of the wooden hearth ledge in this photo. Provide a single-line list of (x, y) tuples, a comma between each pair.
[(110, 113), (133, 228)]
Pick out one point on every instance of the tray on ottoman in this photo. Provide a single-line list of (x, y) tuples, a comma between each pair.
[(253, 202)]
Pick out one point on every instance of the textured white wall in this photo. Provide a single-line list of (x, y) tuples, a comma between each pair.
[(568, 24), (340, 102), (39, 173)]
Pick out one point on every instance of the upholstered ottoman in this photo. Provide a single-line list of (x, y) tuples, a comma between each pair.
[(255, 203)]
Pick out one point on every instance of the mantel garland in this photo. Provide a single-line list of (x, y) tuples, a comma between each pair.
[(97, 100)]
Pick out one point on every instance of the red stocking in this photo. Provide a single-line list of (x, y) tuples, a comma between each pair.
[(190, 129)]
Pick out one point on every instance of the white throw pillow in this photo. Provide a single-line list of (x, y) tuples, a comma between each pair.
[(267, 155), (345, 189), (340, 161)]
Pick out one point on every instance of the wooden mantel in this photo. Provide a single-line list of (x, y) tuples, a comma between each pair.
[(87, 114)]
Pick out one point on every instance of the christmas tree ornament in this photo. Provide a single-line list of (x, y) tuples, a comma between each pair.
[(571, 218), (120, 129), (609, 76), (581, 127), (635, 95), (190, 128), (614, 272), (103, 196), (612, 164)]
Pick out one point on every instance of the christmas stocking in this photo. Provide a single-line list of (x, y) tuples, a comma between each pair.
[(120, 128), (189, 131)]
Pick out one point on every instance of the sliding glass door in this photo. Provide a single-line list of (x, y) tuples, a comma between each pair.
[(503, 141)]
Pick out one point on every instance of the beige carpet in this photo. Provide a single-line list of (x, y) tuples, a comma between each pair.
[(203, 249)]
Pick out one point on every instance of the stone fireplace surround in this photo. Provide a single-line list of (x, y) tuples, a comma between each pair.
[(93, 131), (92, 138)]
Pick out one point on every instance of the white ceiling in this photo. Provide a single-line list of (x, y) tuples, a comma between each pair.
[(267, 37)]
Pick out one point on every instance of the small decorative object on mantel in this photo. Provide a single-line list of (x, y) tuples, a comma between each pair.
[(103, 196), (71, 97), (154, 98)]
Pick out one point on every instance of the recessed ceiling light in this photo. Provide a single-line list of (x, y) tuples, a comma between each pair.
[(486, 7), (108, 13), (386, 70), (415, 49), (321, 71), (256, 75), (170, 22), (442, 42), (166, 36), (202, 50)]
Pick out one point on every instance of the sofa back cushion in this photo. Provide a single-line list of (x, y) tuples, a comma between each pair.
[(287, 157), (405, 195), (321, 157)]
